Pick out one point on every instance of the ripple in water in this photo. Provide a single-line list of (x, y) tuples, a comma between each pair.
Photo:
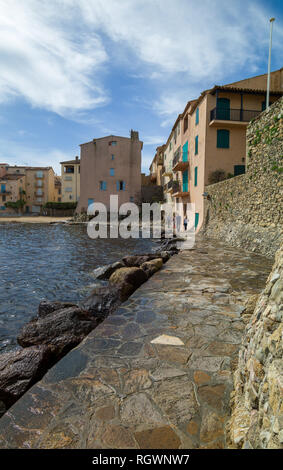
[(49, 262)]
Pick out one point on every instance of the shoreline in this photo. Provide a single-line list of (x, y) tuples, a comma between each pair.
[(34, 220)]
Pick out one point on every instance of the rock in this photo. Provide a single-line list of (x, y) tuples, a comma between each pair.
[(102, 301), (151, 267), (19, 370), (61, 330), (138, 260), (105, 272), (133, 276), (46, 307), (127, 280)]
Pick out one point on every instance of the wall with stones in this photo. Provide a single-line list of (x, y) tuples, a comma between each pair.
[(246, 210), (257, 400)]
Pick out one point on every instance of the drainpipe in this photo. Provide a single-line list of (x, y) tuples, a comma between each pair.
[(269, 62)]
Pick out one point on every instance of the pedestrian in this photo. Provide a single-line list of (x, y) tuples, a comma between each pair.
[(178, 222), (185, 222)]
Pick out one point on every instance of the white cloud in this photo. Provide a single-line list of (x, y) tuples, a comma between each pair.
[(54, 53), (17, 154), (46, 60)]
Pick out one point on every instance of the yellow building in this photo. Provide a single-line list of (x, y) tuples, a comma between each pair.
[(39, 186), (70, 178), (58, 188)]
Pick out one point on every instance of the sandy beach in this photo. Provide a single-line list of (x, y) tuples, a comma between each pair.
[(34, 220)]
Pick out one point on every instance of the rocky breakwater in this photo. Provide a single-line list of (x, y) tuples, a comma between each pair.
[(60, 326), (257, 400)]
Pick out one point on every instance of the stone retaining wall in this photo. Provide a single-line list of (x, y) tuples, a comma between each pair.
[(246, 210), (257, 403)]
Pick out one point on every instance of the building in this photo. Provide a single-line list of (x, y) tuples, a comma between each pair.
[(212, 137), (12, 189), (110, 166), (70, 178), (39, 187), (156, 167)]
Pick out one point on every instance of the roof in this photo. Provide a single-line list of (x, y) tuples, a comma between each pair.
[(73, 162), (32, 167), (108, 137), (11, 177)]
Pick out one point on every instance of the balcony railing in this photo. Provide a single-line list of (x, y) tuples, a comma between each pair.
[(176, 186), (222, 114)]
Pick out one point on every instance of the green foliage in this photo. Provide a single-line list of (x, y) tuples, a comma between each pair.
[(15, 205)]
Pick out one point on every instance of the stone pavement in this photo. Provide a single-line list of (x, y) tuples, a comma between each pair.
[(155, 374)]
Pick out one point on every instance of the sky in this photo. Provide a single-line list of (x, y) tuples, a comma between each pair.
[(75, 70)]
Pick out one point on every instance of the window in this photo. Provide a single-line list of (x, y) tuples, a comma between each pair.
[(196, 176), (68, 190), (59, 199), (3, 188), (121, 185), (90, 201), (103, 185), (132, 199), (39, 174), (223, 137), (186, 123), (69, 169), (39, 192), (70, 197), (112, 171), (112, 157), (68, 178), (197, 116), (3, 198), (113, 142), (239, 170), (196, 145)]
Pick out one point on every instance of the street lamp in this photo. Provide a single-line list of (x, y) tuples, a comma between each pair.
[(269, 61)]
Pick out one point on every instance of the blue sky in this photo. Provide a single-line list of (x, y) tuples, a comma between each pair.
[(74, 70)]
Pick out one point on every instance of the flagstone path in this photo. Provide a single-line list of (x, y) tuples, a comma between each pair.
[(155, 374)]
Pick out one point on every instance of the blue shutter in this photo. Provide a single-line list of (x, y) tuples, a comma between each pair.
[(185, 152), (124, 186), (185, 181), (196, 219), (118, 185), (90, 201)]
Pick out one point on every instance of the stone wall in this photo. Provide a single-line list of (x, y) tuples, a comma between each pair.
[(257, 400), (246, 210)]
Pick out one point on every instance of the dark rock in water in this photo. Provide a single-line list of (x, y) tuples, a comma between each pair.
[(46, 307), (102, 301), (60, 330), (105, 271), (19, 370), (138, 260)]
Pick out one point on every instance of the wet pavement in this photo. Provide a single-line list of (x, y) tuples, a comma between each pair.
[(155, 374)]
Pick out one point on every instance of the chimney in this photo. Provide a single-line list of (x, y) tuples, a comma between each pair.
[(134, 135)]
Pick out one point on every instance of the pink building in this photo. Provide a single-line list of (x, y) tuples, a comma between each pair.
[(110, 166)]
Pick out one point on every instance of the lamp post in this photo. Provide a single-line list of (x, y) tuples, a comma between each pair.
[(269, 62)]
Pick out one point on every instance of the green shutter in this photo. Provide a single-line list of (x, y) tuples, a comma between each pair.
[(197, 116), (196, 219), (196, 175), (223, 139), (196, 145)]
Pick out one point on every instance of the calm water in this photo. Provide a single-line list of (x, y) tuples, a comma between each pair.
[(49, 262)]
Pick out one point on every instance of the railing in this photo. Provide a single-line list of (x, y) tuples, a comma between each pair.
[(223, 114), (181, 157), (176, 186)]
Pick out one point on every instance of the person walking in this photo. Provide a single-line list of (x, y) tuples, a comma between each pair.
[(185, 222)]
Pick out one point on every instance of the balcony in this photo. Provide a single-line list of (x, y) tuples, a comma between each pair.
[(232, 117), (180, 162), (180, 189), (166, 171)]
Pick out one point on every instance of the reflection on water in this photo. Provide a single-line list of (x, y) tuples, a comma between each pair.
[(49, 262)]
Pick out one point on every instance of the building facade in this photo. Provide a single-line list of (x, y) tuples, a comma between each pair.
[(37, 186), (110, 166), (12, 189), (213, 139), (70, 177)]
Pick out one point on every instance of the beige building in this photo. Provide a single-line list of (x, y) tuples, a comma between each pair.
[(156, 167), (12, 189), (213, 137), (110, 166), (39, 185), (70, 178)]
